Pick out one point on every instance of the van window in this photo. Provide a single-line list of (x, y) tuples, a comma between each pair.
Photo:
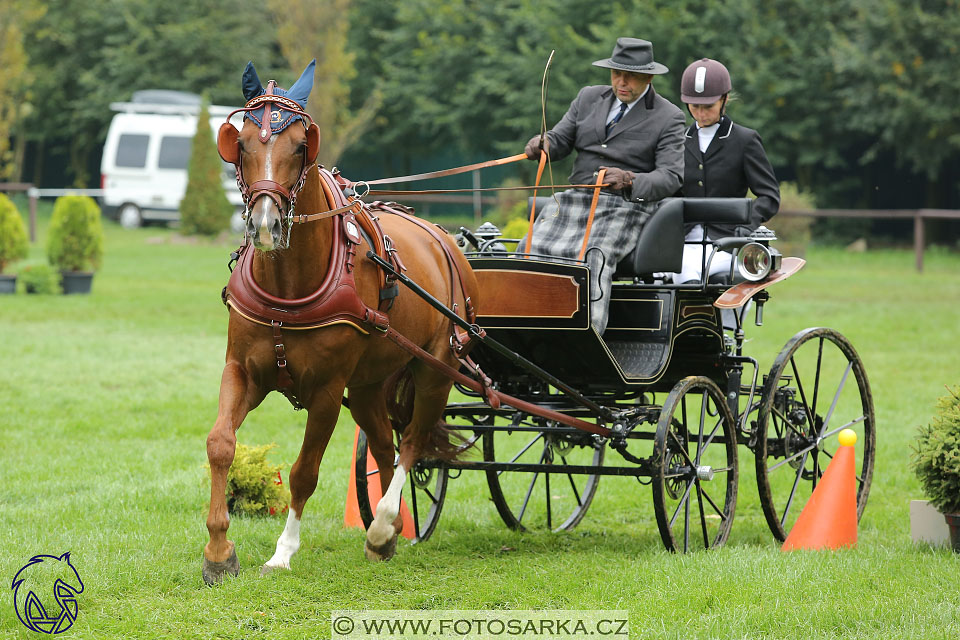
[(174, 152), (132, 150)]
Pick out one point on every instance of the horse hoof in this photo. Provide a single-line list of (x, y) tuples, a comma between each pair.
[(381, 553), (213, 572)]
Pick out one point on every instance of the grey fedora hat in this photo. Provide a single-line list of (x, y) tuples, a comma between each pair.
[(633, 54)]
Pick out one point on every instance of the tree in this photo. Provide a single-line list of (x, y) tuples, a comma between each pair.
[(85, 55), (896, 72), (204, 209), (308, 29), (15, 96)]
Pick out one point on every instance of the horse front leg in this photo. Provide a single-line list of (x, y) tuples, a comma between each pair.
[(322, 413), (219, 555)]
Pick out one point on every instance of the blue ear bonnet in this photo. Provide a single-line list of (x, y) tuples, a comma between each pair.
[(280, 118)]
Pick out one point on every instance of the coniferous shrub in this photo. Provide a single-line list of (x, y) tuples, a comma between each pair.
[(13, 233), (75, 237), (936, 455), (254, 486), (204, 209), (40, 279)]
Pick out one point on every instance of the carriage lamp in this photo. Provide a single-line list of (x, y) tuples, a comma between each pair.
[(755, 261), (488, 233)]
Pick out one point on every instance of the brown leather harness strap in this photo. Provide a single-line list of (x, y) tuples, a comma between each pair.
[(284, 379), (593, 210), (532, 187), (447, 172)]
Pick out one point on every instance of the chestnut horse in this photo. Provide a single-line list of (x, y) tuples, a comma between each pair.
[(274, 153)]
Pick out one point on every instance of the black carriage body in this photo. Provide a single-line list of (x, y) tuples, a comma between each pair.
[(540, 309)]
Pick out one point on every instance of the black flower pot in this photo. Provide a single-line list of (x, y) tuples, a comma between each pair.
[(953, 522), (77, 281), (8, 283)]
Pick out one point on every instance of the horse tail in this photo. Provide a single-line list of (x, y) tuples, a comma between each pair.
[(442, 442), (399, 395)]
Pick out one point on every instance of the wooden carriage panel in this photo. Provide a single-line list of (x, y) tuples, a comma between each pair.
[(518, 294), (535, 294)]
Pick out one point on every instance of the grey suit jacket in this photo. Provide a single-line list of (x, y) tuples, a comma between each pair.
[(648, 141)]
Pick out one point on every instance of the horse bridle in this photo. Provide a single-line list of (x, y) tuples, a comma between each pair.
[(270, 188)]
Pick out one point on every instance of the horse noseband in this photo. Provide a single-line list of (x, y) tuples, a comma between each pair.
[(274, 190)]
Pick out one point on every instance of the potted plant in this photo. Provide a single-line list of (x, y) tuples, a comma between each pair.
[(75, 241), (13, 242), (936, 461), (40, 279)]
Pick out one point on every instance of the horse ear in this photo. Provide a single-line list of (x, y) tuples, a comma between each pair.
[(252, 87), (227, 143), (313, 142), (300, 91)]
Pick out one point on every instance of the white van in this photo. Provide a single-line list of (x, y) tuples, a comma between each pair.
[(143, 172)]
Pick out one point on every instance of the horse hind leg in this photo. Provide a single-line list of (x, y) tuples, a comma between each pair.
[(321, 420), (369, 408), (419, 439)]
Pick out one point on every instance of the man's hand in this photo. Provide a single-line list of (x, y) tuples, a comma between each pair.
[(533, 147), (618, 179)]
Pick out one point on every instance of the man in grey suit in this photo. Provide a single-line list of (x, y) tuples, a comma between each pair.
[(633, 134)]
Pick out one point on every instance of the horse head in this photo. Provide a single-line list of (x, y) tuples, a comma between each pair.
[(271, 157)]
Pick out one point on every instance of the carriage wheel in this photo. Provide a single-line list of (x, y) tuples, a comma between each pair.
[(537, 500), (808, 398), (695, 476), (424, 492)]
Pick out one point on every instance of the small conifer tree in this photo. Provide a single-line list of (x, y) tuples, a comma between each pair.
[(204, 209), (13, 233)]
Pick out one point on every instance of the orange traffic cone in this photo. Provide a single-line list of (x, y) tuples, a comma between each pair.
[(829, 520), (351, 512)]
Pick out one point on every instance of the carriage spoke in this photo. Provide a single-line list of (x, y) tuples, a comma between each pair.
[(683, 500), (803, 396), (573, 485), (703, 421), (836, 397), (526, 499), (793, 491), (525, 449), (816, 379), (703, 517), (712, 503)]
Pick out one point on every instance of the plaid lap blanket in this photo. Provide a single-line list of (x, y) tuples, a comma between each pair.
[(558, 231)]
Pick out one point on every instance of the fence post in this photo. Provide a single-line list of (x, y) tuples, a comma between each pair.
[(477, 205), (33, 196), (918, 239)]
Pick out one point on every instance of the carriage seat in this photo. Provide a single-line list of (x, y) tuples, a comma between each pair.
[(660, 246)]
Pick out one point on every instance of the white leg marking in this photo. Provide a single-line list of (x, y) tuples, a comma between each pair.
[(287, 544), (381, 530)]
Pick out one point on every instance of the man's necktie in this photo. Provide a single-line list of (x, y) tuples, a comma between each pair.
[(616, 118)]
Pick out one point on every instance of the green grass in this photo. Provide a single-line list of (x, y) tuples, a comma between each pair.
[(106, 400)]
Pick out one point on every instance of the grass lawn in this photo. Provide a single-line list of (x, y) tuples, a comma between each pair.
[(106, 400)]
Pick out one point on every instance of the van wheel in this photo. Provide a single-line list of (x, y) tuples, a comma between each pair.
[(130, 216)]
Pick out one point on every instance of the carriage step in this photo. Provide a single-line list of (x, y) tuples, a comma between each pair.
[(638, 359)]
